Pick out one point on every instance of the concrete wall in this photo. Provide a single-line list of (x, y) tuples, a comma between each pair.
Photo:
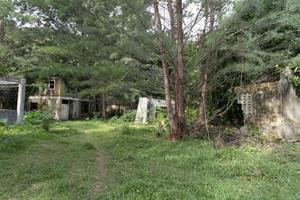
[(55, 103), (146, 110), (143, 111), (59, 87), (273, 107), (76, 110), (8, 116), (290, 110)]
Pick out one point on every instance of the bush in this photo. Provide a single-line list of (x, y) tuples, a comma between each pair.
[(128, 116), (191, 113), (2, 124), (114, 119), (41, 118), (96, 115), (162, 122)]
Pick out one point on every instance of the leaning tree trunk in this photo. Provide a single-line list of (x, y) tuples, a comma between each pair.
[(170, 110), (180, 73)]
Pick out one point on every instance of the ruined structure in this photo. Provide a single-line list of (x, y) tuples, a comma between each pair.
[(15, 113), (147, 108), (272, 107), (63, 106)]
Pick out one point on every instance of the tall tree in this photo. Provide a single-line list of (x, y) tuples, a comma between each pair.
[(163, 58), (180, 72)]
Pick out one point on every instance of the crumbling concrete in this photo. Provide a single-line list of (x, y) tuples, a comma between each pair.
[(14, 115), (272, 107), (147, 108), (8, 116)]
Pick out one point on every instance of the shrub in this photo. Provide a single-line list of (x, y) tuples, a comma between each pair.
[(2, 124), (296, 83), (229, 131), (255, 131), (114, 119), (42, 118), (96, 115), (128, 116), (162, 122), (191, 113)]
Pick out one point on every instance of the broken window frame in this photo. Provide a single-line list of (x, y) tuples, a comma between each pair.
[(52, 85)]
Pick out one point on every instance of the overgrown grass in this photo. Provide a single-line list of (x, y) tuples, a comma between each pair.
[(38, 165), (65, 165)]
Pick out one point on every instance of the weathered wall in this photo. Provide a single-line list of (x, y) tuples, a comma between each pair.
[(146, 110), (272, 107), (59, 87), (76, 109), (290, 110), (8, 116), (143, 111), (73, 110)]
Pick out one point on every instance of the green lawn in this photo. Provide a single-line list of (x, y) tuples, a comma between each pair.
[(96, 160)]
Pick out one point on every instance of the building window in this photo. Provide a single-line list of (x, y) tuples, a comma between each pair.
[(65, 101), (33, 106), (52, 85)]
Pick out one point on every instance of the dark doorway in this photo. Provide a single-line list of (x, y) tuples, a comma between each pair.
[(71, 105)]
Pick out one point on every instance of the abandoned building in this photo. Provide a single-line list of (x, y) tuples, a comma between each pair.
[(273, 107), (12, 100), (146, 110), (63, 106)]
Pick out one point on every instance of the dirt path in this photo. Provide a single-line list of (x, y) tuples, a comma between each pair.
[(100, 185)]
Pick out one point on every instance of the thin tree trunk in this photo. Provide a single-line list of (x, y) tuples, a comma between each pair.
[(103, 105), (203, 90), (180, 73), (205, 72), (2, 29), (172, 20), (170, 110)]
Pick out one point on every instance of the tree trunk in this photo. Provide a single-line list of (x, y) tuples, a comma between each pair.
[(205, 72), (170, 110), (103, 105), (180, 73), (203, 90), (172, 20), (2, 29)]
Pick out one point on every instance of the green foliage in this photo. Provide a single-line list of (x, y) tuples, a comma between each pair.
[(246, 172), (192, 113), (128, 116), (251, 45), (296, 83), (30, 156), (42, 118), (114, 119), (2, 123), (255, 131), (229, 131), (108, 47), (161, 115), (88, 146)]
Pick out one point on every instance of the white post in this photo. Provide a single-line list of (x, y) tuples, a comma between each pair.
[(21, 101)]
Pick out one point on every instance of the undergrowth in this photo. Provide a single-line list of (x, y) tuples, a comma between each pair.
[(64, 164)]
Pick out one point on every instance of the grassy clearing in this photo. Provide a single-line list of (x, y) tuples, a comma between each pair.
[(95, 160), (37, 165)]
